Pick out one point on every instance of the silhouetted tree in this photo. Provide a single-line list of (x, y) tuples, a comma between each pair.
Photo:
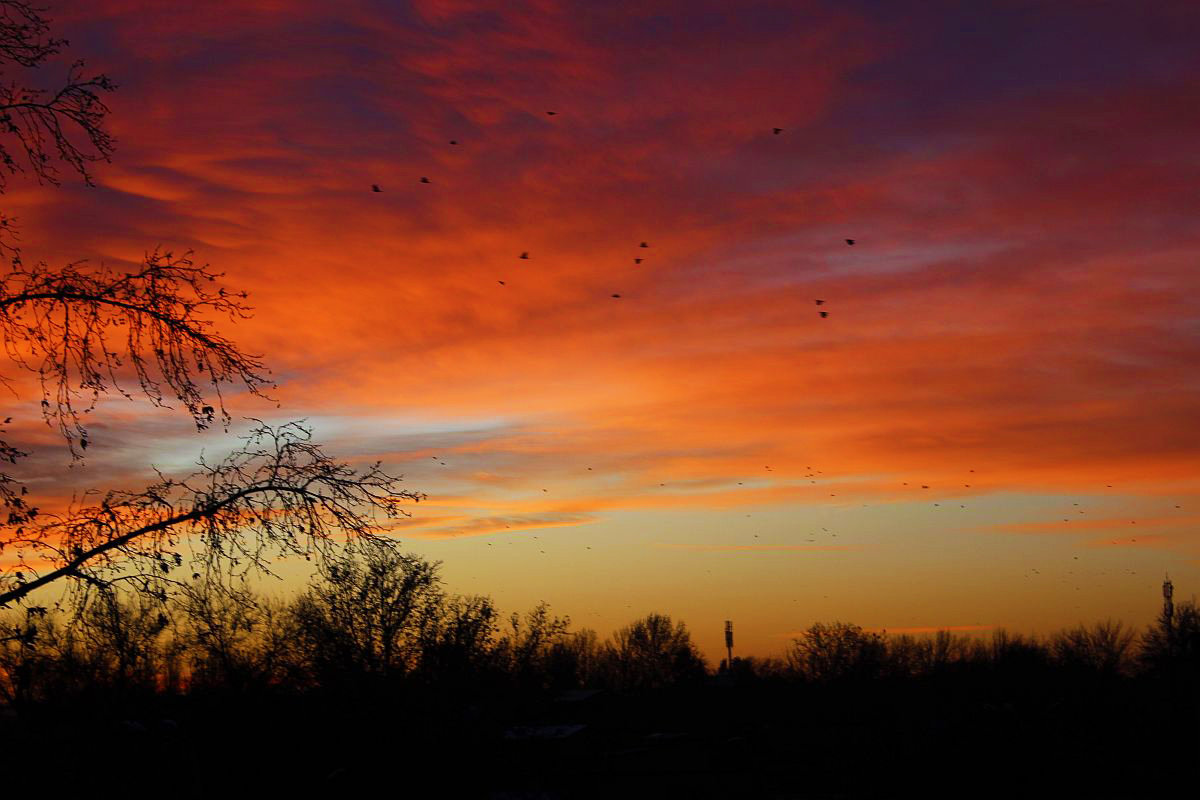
[(459, 639), (837, 651), (24, 659), (654, 652), (1016, 652), (914, 656), (234, 640), (367, 613), (575, 660), (1104, 649), (1172, 645), (523, 650), (118, 645), (122, 636), (744, 670)]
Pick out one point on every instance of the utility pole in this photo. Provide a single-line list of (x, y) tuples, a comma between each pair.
[(1168, 604), (729, 643)]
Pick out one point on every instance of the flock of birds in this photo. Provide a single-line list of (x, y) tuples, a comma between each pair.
[(811, 475), (823, 314), (1068, 576)]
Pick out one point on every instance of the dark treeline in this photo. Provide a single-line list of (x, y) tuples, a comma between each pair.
[(374, 659), (376, 623)]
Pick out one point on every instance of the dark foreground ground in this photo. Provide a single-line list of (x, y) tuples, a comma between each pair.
[(1126, 739)]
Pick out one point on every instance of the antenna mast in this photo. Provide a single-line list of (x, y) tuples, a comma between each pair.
[(1168, 602), (729, 642)]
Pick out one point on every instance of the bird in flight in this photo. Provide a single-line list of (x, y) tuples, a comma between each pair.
[(500, 282), (375, 187), (525, 256), (644, 244), (849, 241), (424, 180), (823, 314), (551, 113), (777, 131), (454, 141), (637, 261), (819, 302), (616, 296)]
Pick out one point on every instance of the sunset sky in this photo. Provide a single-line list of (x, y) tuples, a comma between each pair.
[(998, 424)]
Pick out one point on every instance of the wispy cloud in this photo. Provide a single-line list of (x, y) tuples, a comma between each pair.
[(751, 548), (446, 528)]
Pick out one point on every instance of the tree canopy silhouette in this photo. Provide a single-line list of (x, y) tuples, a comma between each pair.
[(366, 614), (653, 652)]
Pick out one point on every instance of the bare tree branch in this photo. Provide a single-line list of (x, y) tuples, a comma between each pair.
[(278, 495), (43, 128), (79, 328), (47, 127), (25, 34)]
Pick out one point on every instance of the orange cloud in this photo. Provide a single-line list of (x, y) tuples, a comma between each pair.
[(1017, 318), (1083, 525)]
